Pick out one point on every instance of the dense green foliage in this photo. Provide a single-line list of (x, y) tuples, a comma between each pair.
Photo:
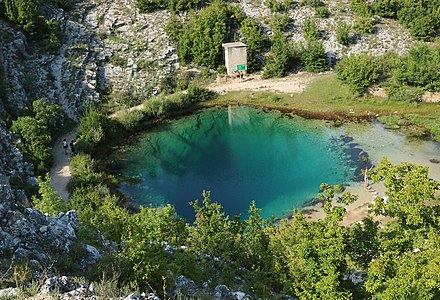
[(26, 15), (310, 30), (49, 202), (92, 129), (202, 36), (161, 106), (277, 61), (278, 6), (358, 72), (313, 57), (253, 38), (343, 33), (146, 6), (37, 131), (420, 68), (405, 78), (422, 17), (364, 25), (311, 260)]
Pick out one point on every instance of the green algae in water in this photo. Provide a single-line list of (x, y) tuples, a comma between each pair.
[(241, 155)]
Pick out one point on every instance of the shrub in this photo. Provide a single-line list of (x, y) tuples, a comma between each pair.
[(168, 85), (186, 77), (421, 17), (146, 6), (97, 207), (49, 202), (174, 28), (420, 68), (130, 119), (312, 3), (198, 94), (26, 15), (386, 8), (322, 12), (361, 8), (358, 72), (82, 169), (314, 58), (274, 5), (92, 126), (280, 22), (182, 5), (364, 25), (310, 30), (343, 33), (405, 93)]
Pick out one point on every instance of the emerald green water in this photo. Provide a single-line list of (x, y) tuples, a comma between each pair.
[(241, 155)]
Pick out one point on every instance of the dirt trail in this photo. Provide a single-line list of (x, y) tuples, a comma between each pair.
[(60, 172), (294, 83)]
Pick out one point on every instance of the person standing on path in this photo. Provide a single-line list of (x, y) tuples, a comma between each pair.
[(366, 176), (72, 147), (65, 146)]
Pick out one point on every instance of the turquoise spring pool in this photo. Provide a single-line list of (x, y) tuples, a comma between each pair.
[(239, 154)]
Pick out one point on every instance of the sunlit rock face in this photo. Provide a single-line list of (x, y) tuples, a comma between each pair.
[(240, 154)]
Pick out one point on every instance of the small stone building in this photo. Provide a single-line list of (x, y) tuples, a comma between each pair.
[(235, 57)]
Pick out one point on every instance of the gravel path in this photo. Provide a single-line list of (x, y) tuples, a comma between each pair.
[(60, 172), (294, 83)]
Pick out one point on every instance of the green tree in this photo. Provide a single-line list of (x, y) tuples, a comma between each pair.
[(314, 58), (363, 243), (35, 142), (256, 240), (277, 61), (419, 68), (50, 114), (213, 232), (253, 38), (410, 275), (23, 13), (49, 202), (409, 188), (201, 38), (92, 128), (97, 207), (156, 225), (310, 30), (309, 258), (82, 168), (358, 71)]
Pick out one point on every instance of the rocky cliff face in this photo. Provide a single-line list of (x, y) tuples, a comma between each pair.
[(28, 234)]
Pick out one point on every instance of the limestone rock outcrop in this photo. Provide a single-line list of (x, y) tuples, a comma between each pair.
[(27, 234)]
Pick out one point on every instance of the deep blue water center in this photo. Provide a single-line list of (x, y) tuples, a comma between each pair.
[(239, 154)]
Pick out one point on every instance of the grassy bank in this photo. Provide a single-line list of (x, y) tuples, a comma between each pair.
[(325, 97)]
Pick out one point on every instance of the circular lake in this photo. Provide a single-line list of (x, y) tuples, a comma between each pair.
[(242, 154)]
